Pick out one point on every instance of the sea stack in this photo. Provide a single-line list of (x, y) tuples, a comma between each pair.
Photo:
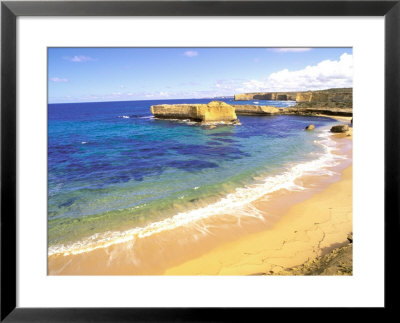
[(248, 109), (212, 112)]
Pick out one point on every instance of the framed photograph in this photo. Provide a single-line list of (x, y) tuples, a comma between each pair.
[(196, 160)]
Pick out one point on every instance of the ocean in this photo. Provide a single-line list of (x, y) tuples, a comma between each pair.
[(115, 172)]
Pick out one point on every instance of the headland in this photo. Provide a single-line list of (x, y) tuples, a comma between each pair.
[(331, 102)]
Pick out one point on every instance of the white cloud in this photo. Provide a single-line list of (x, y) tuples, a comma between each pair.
[(58, 79), (291, 49), (190, 53), (79, 58), (326, 74)]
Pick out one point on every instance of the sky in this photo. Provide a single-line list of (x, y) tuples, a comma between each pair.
[(127, 74)]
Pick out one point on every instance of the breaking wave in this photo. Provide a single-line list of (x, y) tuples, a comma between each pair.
[(234, 203)]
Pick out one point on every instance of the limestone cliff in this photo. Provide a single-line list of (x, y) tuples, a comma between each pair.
[(335, 102), (331, 102), (331, 97), (336, 96), (248, 109), (316, 110), (283, 96), (211, 112)]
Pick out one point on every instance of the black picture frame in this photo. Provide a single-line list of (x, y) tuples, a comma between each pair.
[(10, 10)]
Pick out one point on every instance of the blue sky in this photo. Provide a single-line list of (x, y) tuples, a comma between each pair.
[(119, 74)]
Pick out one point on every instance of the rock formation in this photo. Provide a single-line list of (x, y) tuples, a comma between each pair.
[(248, 109), (211, 112), (340, 128), (312, 111), (340, 98), (332, 98), (310, 127), (283, 96), (334, 102)]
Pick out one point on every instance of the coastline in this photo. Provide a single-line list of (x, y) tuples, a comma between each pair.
[(202, 248), (338, 118), (309, 229), (308, 235)]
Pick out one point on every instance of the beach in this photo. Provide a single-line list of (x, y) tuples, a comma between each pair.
[(307, 230), (302, 225), (317, 227)]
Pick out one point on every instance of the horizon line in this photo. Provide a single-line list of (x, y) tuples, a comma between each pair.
[(219, 97), (216, 97)]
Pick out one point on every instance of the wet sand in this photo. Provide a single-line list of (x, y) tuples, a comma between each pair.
[(308, 239), (290, 227), (308, 230)]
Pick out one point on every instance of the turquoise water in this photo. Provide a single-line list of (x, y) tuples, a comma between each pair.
[(113, 167)]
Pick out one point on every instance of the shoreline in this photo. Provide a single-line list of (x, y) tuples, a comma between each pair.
[(338, 118), (308, 230), (172, 249)]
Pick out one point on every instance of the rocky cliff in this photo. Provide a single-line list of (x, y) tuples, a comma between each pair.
[(337, 102), (283, 96), (331, 98), (255, 109), (213, 111), (342, 95), (332, 111)]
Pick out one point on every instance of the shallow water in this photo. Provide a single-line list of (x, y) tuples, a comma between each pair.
[(112, 167)]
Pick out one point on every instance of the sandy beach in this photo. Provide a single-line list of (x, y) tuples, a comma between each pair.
[(308, 235), (309, 229), (339, 118), (302, 225)]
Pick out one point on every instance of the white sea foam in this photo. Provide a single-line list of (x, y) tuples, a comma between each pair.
[(124, 117), (235, 204)]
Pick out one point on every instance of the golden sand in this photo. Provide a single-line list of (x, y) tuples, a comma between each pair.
[(304, 231), (301, 226), (308, 230)]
